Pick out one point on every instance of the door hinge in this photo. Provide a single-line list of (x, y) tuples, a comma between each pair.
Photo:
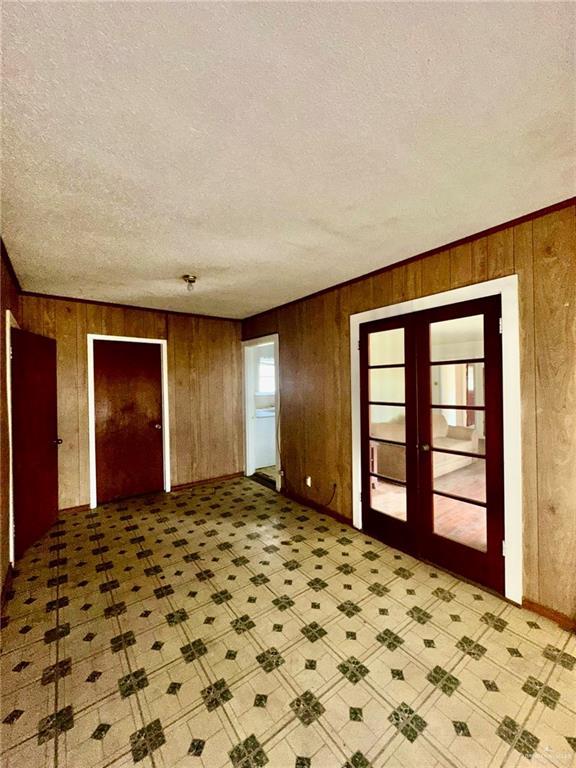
[(500, 325), (358, 346), (504, 553), (11, 352), (360, 497)]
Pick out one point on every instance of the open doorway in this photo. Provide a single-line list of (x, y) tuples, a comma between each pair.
[(262, 407)]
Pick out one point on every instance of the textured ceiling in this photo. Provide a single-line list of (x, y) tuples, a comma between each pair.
[(273, 149)]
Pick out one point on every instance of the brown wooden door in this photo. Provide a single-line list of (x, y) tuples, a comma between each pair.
[(128, 416), (433, 481), (34, 436)]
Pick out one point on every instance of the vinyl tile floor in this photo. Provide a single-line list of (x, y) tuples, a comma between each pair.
[(226, 626)]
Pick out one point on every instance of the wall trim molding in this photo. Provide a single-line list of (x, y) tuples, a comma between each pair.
[(90, 339), (219, 479), (73, 510), (423, 255), (6, 593), (559, 618)]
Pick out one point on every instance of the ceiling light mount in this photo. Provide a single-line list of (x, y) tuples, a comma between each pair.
[(190, 281)]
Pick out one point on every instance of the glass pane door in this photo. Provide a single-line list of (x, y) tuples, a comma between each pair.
[(387, 423)]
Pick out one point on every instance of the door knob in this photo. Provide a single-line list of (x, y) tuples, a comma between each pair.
[(157, 426), (425, 447), (58, 441)]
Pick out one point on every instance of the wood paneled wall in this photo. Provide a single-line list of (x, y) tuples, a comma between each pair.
[(9, 299), (315, 380), (205, 386)]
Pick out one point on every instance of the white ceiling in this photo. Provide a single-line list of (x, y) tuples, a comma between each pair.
[(273, 149)]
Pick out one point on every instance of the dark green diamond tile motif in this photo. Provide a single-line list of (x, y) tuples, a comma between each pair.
[(13, 716), (344, 541), (357, 761), (196, 747), (283, 602), (494, 621), (260, 700), (205, 575), (303, 762), (346, 569), (313, 631), (100, 731), (176, 617), (460, 728), (443, 594), (259, 579), (93, 676), (389, 639), (353, 670), (56, 633), (555, 654), (514, 652), (193, 650), (356, 714), (56, 671), (317, 584), (404, 573), (239, 561), (397, 674), (310, 664), (130, 684), (378, 589), (442, 680), (371, 555), (522, 741), (472, 649), (146, 740), (59, 722), (216, 695), (221, 597), (117, 609), (320, 552), (270, 660), (349, 608), (164, 591), (571, 741), (407, 721), (419, 615), (291, 565), (242, 624), (307, 708), (248, 754), (121, 642), (173, 688), (548, 696), (429, 643), (490, 685)]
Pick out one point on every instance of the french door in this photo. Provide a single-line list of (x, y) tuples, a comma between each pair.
[(432, 456)]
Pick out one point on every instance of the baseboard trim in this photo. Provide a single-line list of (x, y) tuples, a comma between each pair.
[(220, 478), (318, 507), (7, 586), (70, 510), (564, 621)]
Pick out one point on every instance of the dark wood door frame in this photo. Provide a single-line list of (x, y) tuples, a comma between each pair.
[(91, 338), (507, 289)]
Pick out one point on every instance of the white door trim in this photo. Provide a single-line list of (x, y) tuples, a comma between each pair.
[(92, 337), (507, 288), (11, 322), (248, 379)]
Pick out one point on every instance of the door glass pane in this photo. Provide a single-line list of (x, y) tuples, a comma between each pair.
[(388, 422), (386, 347), (460, 475), (387, 384), (458, 339), (457, 384), (387, 459), (388, 498), (456, 430), (461, 522)]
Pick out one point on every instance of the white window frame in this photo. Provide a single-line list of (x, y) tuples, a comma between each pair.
[(91, 338), (507, 289)]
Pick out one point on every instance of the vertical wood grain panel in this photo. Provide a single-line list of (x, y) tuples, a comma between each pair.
[(524, 266), (461, 265), (500, 253), (436, 273), (555, 329), (205, 404)]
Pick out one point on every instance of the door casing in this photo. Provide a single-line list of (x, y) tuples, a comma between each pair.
[(91, 337), (507, 288)]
